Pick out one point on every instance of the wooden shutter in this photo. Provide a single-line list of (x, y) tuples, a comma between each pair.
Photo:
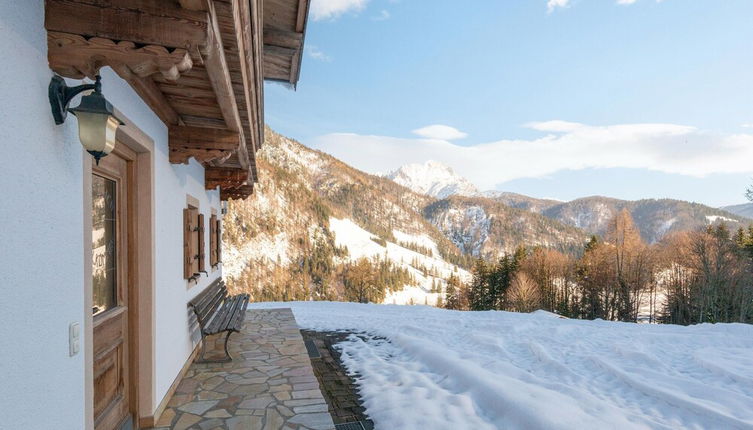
[(219, 241), (202, 245), (213, 240), (187, 242)]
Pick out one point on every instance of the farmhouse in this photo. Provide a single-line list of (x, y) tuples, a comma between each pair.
[(127, 124)]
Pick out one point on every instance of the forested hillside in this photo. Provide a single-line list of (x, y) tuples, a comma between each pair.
[(654, 218)]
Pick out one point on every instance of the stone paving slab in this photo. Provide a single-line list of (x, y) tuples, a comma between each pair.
[(269, 385)]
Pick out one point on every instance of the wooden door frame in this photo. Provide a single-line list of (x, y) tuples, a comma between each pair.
[(137, 149)]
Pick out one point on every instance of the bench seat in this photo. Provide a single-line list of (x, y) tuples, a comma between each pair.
[(216, 312)]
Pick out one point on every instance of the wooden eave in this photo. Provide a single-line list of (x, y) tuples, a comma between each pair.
[(199, 65), (284, 35)]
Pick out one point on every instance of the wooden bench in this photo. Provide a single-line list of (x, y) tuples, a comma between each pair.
[(216, 312)]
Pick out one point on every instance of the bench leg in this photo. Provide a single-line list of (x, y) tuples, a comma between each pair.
[(220, 360), (227, 353)]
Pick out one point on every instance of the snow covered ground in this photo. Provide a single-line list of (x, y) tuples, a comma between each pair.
[(440, 369), (360, 244)]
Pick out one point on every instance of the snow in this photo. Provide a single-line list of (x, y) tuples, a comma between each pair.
[(433, 179), (664, 227), (360, 245), (423, 367), (468, 228), (711, 219), (263, 249)]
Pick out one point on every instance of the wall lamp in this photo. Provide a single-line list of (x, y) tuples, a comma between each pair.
[(97, 122)]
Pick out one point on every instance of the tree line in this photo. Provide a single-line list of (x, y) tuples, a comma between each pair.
[(687, 278)]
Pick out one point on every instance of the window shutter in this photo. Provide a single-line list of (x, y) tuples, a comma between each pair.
[(187, 254), (213, 240), (219, 241), (202, 247)]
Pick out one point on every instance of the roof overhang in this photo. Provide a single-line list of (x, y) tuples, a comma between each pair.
[(199, 64), (284, 35)]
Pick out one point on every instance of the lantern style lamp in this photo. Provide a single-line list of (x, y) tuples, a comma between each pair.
[(97, 122)]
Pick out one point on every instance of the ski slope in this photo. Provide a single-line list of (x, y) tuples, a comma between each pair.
[(428, 368)]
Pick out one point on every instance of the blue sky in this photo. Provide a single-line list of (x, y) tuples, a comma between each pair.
[(551, 98)]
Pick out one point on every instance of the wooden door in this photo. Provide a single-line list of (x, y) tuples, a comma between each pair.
[(110, 192)]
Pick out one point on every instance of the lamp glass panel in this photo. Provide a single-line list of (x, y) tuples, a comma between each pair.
[(97, 131)]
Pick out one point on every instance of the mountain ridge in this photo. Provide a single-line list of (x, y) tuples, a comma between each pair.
[(655, 218)]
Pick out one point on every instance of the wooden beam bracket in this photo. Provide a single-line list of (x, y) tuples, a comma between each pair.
[(236, 193), (75, 56), (224, 177), (181, 156)]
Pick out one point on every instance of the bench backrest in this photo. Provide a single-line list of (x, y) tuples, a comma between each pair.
[(205, 304)]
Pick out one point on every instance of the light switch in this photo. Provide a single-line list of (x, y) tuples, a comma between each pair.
[(74, 334)]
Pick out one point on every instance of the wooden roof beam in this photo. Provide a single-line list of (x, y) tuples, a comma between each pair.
[(151, 94), (224, 177), (160, 22), (66, 52), (181, 156), (187, 137), (194, 4), (282, 38), (219, 76), (236, 193)]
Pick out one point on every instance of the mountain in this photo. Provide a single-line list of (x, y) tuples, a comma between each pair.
[(314, 225), (520, 201), (312, 216), (483, 227), (654, 217), (433, 179), (312, 219), (744, 210)]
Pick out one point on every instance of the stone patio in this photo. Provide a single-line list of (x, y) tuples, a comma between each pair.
[(269, 385)]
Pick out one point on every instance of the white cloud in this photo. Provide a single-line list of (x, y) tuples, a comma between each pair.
[(746, 125), (625, 1), (668, 148), (317, 54), (332, 9), (554, 126), (383, 15), (440, 132), (551, 5)]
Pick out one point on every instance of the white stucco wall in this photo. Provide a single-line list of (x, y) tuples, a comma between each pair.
[(41, 239)]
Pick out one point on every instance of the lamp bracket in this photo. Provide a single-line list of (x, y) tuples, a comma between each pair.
[(61, 95)]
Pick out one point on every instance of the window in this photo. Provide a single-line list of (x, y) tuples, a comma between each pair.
[(193, 243), (104, 245)]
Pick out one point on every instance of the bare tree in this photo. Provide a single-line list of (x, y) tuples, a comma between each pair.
[(524, 293)]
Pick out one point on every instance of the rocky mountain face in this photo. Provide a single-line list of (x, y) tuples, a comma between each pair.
[(433, 179), (482, 227)]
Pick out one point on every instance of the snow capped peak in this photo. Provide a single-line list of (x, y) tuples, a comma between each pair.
[(434, 179)]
